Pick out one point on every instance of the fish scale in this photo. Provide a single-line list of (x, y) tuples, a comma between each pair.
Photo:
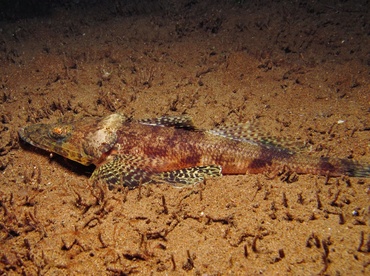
[(171, 149)]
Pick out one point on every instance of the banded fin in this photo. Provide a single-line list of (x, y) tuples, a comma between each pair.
[(189, 176), (184, 122), (252, 134), (126, 170)]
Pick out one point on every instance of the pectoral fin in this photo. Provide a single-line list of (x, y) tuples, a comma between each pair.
[(125, 170), (131, 172)]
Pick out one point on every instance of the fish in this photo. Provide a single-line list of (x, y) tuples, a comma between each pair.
[(171, 149)]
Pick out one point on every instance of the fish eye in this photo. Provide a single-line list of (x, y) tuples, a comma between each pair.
[(60, 131)]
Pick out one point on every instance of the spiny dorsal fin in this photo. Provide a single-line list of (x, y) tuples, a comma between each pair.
[(170, 121), (253, 134)]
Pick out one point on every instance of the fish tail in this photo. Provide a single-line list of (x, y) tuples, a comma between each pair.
[(332, 167), (358, 169)]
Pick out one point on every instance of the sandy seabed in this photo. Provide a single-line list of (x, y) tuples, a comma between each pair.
[(300, 69)]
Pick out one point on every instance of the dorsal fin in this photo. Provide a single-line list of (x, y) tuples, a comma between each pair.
[(170, 121), (249, 133)]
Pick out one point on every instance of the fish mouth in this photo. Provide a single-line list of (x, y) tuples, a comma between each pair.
[(23, 136), (21, 132), (38, 136), (27, 134)]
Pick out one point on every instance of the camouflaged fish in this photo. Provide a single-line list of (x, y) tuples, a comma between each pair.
[(171, 149)]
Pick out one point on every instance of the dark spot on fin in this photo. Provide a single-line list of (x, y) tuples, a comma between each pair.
[(188, 176), (184, 122), (125, 170), (255, 135)]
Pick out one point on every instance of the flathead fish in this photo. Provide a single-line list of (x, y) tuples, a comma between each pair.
[(171, 149)]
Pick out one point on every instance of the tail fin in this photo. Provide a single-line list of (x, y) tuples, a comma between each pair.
[(335, 167), (356, 169)]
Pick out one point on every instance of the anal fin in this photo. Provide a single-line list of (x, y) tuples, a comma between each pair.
[(131, 171), (188, 176)]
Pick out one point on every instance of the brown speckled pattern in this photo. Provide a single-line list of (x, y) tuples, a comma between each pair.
[(131, 153)]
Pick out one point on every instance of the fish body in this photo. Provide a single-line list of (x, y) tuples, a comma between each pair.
[(171, 149)]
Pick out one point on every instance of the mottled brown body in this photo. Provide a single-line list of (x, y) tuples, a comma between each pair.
[(171, 149)]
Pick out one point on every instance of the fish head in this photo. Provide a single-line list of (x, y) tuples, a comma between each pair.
[(84, 140)]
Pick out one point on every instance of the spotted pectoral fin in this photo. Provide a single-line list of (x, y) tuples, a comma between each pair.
[(131, 171), (125, 170), (188, 176)]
